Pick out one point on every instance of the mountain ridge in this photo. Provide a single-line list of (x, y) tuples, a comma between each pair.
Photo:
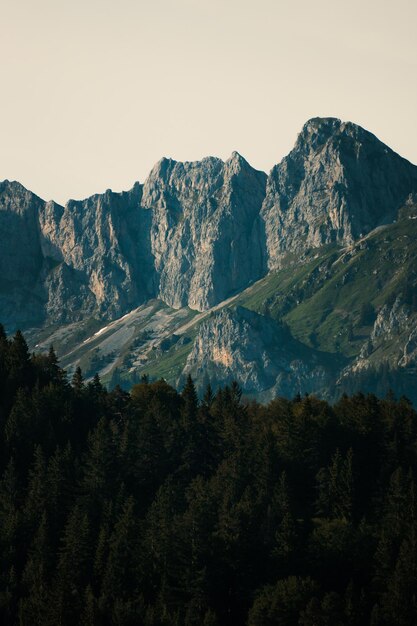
[(195, 234)]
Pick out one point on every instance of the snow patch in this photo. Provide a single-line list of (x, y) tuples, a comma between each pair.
[(99, 332)]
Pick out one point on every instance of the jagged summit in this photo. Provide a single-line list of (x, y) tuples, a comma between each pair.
[(317, 130), (116, 279), (14, 187), (338, 183), (11, 184), (210, 169), (236, 157), (196, 232)]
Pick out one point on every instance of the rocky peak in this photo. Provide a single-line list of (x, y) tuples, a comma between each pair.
[(197, 232), (316, 132), (169, 178), (14, 197), (337, 184), (21, 257), (206, 235), (236, 164)]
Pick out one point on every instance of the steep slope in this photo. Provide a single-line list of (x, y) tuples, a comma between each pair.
[(192, 234), (21, 259), (337, 184), (345, 310), (207, 237), (101, 246), (319, 258), (195, 232), (327, 325), (239, 344)]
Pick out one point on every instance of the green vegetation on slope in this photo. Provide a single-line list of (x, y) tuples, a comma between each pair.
[(323, 299)]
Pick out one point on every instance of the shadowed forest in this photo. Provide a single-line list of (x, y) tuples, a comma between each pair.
[(154, 507)]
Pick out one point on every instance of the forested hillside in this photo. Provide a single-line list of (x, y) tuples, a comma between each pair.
[(157, 508)]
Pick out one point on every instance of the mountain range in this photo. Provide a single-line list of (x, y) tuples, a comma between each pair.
[(303, 280)]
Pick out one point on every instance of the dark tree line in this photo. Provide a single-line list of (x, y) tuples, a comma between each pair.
[(158, 508)]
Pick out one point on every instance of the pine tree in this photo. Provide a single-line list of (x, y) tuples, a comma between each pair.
[(95, 387), (59, 486), (18, 363), (208, 397), (72, 573), (286, 532), (36, 493), (4, 349), (120, 573), (20, 427), (34, 606), (159, 544), (335, 487), (10, 529), (56, 374), (77, 380), (193, 429), (90, 615), (190, 404), (100, 468)]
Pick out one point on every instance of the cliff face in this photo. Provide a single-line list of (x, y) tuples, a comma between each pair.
[(21, 256), (101, 246), (21, 259), (337, 184), (393, 340), (191, 235), (255, 350), (194, 233), (206, 236)]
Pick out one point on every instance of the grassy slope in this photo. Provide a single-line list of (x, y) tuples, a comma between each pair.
[(321, 300)]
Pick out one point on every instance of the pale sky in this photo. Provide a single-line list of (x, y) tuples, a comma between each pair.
[(94, 92)]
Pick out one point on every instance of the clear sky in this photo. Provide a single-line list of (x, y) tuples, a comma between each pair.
[(94, 92)]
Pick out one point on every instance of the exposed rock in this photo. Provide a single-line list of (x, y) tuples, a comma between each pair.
[(21, 258), (69, 296), (390, 321), (410, 350), (196, 232), (207, 237), (254, 350), (394, 330), (105, 241), (337, 184), (21, 254), (409, 210)]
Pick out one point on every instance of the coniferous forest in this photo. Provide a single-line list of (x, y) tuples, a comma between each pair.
[(157, 508)]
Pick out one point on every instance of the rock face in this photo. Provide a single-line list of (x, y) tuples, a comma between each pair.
[(191, 235), (194, 233), (207, 237), (337, 184), (101, 248), (390, 321), (393, 339), (253, 349), (21, 259)]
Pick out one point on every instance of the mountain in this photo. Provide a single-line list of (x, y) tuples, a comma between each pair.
[(302, 280), (337, 184), (239, 344), (206, 233)]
